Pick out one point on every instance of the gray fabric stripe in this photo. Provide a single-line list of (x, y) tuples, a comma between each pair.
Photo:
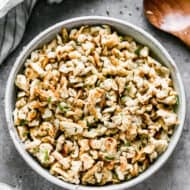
[(21, 24), (28, 5), (32, 5), (14, 32), (3, 33), (24, 10), (2, 23), (9, 32)]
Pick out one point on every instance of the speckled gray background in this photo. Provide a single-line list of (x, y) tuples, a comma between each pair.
[(175, 174)]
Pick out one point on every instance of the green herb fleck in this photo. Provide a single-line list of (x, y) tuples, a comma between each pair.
[(143, 137), (63, 108), (25, 134), (78, 43), (177, 100), (48, 129), (109, 157), (36, 149), (127, 144), (49, 100), (46, 156), (128, 177), (114, 175), (88, 124), (23, 122), (121, 38), (127, 87), (137, 51)]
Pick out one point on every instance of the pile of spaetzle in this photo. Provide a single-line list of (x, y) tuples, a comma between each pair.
[(93, 107)]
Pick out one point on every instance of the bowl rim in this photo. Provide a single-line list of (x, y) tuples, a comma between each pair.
[(39, 169)]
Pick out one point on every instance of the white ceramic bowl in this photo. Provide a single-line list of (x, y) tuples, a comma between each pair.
[(123, 27)]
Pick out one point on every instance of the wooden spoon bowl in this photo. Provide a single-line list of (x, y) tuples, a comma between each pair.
[(172, 16)]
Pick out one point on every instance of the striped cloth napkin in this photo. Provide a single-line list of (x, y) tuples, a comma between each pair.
[(12, 25), (14, 15)]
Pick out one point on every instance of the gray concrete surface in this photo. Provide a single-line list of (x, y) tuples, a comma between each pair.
[(175, 174)]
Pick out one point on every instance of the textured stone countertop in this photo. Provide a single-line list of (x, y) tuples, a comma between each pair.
[(175, 174)]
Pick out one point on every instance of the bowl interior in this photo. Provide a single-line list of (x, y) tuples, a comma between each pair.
[(124, 28)]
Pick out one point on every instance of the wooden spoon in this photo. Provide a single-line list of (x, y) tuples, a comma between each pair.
[(172, 16)]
